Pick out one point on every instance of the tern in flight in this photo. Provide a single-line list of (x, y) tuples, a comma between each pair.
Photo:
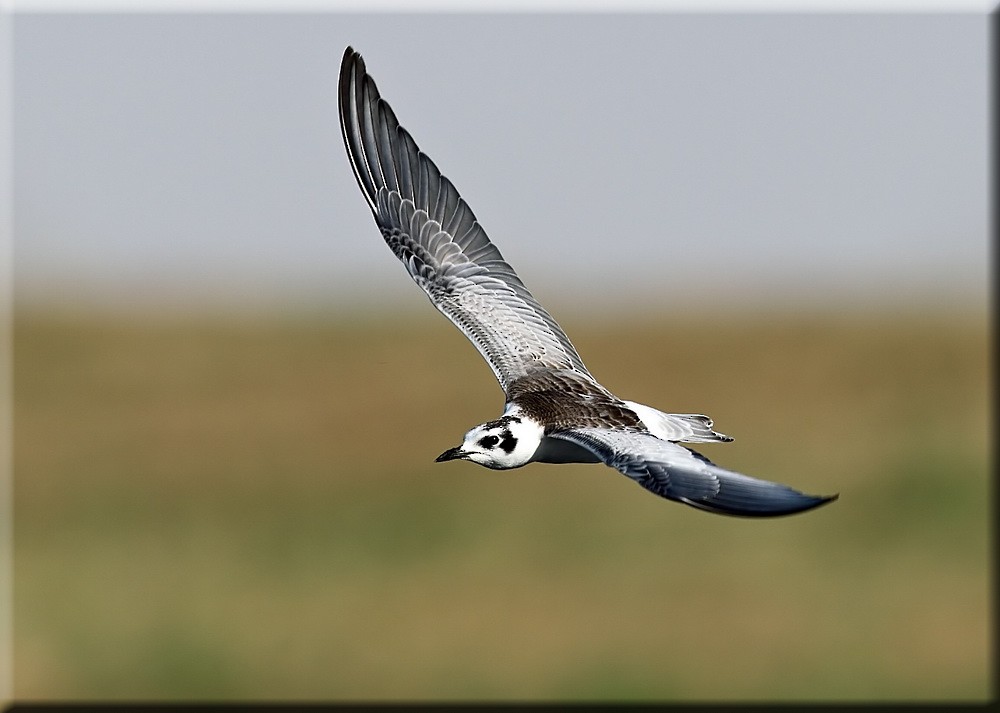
[(555, 411)]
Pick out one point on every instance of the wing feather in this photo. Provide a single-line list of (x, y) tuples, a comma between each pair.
[(677, 473), (436, 236)]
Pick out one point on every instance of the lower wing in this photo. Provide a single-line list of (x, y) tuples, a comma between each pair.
[(678, 473)]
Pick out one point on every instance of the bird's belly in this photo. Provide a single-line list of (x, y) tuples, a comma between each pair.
[(556, 450)]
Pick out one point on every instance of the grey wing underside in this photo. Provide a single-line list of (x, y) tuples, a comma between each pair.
[(678, 473), (433, 232)]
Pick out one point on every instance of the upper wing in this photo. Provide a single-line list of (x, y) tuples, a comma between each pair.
[(432, 230), (678, 473)]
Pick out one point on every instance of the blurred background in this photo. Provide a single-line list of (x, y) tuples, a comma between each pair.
[(228, 396)]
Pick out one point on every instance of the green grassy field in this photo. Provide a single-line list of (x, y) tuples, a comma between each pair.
[(204, 511)]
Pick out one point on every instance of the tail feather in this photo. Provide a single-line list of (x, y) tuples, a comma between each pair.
[(678, 427)]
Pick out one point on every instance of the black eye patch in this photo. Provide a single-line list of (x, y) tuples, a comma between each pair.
[(509, 443), (488, 441)]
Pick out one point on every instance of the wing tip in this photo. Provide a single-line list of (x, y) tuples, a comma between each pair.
[(353, 84), (811, 502), (351, 59), (350, 54), (789, 506)]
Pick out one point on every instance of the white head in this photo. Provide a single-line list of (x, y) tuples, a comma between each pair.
[(508, 442)]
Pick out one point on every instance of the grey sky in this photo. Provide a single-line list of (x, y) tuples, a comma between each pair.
[(733, 158)]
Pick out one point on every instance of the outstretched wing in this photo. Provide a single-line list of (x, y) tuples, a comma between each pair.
[(678, 473), (434, 233)]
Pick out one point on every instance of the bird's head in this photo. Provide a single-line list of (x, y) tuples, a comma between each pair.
[(508, 442)]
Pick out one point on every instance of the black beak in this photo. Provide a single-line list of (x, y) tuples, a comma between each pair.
[(451, 454)]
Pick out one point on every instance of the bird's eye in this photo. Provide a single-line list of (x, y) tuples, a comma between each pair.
[(488, 441)]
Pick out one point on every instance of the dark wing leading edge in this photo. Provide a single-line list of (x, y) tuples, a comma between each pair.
[(434, 233), (678, 473)]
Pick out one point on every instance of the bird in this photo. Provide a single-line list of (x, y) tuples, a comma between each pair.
[(555, 411)]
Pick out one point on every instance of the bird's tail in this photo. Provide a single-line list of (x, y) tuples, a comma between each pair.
[(678, 427)]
